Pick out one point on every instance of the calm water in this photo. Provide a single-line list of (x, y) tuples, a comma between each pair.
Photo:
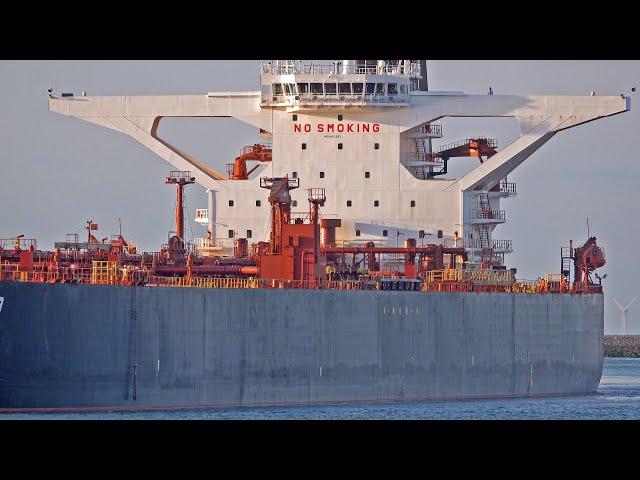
[(618, 397)]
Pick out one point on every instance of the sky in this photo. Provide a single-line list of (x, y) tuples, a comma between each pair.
[(58, 171)]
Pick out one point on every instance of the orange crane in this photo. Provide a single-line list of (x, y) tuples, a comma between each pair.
[(256, 153)]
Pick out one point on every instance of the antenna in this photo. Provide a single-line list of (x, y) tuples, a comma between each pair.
[(588, 235), (623, 314)]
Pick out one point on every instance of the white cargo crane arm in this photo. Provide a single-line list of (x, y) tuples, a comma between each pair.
[(139, 117), (539, 117)]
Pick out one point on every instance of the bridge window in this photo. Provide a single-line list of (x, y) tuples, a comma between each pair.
[(357, 88), (258, 203), (348, 203), (392, 89), (344, 88), (316, 89), (376, 203), (371, 88), (277, 89), (357, 233), (249, 233), (385, 233), (403, 89), (230, 233), (231, 203), (303, 88), (321, 174), (329, 88), (380, 88)]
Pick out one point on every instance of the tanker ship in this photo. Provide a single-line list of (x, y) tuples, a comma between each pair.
[(300, 289)]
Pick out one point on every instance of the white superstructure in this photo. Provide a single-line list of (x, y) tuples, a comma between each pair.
[(361, 129)]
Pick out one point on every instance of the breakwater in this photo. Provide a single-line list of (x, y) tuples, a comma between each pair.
[(622, 346)]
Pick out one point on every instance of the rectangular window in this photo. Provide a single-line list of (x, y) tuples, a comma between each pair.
[(357, 233), (376, 203), (439, 233), (340, 117), (348, 203), (376, 146), (367, 175), (249, 233), (413, 203), (295, 117), (392, 89), (230, 233), (329, 88), (357, 88), (371, 88), (258, 203), (339, 146), (379, 88), (303, 88), (304, 146), (344, 88), (403, 89), (294, 174), (231, 203), (321, 174), (294, 203), (385, 233), (277, 89), (316, 89), (421, 234)]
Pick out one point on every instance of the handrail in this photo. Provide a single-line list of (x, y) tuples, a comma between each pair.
[(299, 67), (489, 214)]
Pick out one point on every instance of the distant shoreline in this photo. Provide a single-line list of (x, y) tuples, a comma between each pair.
[(627, 346)]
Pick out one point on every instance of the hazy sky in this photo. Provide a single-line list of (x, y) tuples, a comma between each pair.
[(59, 171)]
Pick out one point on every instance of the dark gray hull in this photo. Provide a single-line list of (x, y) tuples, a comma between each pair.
[(76, 346)]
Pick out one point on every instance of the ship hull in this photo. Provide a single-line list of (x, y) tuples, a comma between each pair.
[(80, 346)]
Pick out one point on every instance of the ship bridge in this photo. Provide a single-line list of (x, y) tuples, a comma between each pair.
[(300, 85)]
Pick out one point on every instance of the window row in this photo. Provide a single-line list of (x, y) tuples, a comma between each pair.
[(421, 233), (322, 175), (376, 146), (339, 88), (294, 117), (294, 203), (232, 233)]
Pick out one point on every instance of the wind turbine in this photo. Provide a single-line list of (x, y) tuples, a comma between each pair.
[(623, 313)]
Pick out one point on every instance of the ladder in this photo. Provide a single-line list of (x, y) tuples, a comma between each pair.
[(566, 262), (483, 233)]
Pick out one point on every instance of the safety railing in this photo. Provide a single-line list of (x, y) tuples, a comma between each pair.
[(21, 243), (445, 280), (338, 68), (319, 98), (430, 129), (493, 143), (507, 187), (498, 215)]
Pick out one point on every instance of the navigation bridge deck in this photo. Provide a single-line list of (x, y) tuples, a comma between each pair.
[(301, 85)]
